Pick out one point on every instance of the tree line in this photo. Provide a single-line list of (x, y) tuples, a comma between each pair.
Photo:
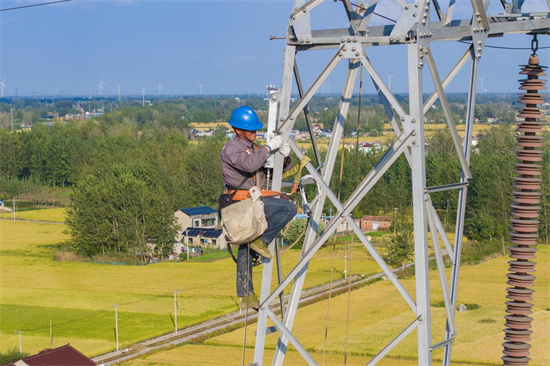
[(131, 168)]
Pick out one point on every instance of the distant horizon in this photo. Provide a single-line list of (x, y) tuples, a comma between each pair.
[(213, 95)]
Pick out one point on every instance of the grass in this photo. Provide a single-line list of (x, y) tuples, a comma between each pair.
[(79, 296)]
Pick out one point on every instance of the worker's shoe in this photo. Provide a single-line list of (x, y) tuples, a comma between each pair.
[(253, 302), (261, 248)]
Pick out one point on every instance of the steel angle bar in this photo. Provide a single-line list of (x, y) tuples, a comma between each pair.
[(437, 8), (440, 266), (450, 12), (289, 121), (443, 234), (306, 113), (284, 330), (480, 14), (441, 344), (383, 88), (447, 80), (446, 187), (394, 342), (311, 231), (305, 9), (284, 105), (367, 16), (448, 115), (462, 199), (418, 178), (391, 155), (380, 261)]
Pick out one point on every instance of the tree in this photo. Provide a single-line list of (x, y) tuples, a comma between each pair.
[(400, 247), (295, 231)]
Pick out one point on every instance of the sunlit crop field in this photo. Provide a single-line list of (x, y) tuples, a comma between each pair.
[(378, 314), (51, 214), (78, 297)]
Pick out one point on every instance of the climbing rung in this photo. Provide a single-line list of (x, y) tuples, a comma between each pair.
[(446, 187), (441, 344)]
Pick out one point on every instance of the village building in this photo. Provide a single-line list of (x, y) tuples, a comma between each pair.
[(65, 355), (374, 223), (198, 229)]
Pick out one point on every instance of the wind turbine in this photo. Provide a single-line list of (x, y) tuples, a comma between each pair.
[(200, 89), (118, 88), (483, 90), (3, 86), (100, 86), (389, 79)]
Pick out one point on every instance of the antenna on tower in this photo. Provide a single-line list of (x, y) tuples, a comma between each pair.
[(100, 86), (118, 88), (159, 87), (143, 97), (3, 86)]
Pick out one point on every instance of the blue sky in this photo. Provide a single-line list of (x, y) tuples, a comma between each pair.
[(66, 49)]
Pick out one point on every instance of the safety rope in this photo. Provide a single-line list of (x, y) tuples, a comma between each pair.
[(349, 301), (328, 301), (247, 295), (297, 171)]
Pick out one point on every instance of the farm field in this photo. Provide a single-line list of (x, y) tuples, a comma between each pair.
[(79, 296), (378, 314), (51, 215)]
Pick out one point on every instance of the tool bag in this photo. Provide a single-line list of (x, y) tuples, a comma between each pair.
[(245, 220)]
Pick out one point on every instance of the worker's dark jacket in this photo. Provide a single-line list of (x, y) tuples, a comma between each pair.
[(241, 158)]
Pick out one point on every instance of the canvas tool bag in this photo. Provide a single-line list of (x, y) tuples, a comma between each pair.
[(245, 220)]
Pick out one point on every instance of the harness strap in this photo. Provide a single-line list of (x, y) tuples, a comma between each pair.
[(298, 171), (242, 194)]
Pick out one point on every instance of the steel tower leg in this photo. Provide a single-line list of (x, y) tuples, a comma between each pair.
[(461, 210), (418, 165), (311, 233)]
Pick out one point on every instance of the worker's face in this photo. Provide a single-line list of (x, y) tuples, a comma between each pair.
[(249, 135)]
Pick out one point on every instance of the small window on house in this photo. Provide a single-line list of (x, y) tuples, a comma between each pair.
[(213, 241), (197, 223), (203, 241), (209, 222), (190, 241)]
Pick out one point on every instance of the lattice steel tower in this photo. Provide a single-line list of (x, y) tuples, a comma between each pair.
[(418, 25)]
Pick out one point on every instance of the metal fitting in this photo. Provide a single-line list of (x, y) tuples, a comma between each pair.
[(357, 54), (402, 119), (413, 120)]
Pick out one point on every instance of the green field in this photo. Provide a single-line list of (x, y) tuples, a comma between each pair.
[(79, 296)]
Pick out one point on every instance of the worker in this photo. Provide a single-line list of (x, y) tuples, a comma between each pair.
[(240, 158)]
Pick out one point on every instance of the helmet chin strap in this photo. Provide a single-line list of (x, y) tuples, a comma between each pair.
[(242, 135)]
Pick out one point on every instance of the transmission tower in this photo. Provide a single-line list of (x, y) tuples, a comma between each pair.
[(417, 26)]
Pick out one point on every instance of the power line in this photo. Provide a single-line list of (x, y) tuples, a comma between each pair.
[(33, 5), (508, 48)]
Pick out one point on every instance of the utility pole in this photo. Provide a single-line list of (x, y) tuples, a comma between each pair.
[(346, 261), (20, 348), (116, 325), (11, 117), (51, 334), (143, 97), (175, 312)]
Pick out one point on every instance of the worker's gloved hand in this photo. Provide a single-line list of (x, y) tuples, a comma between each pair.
[(275, 142), (285, 149)]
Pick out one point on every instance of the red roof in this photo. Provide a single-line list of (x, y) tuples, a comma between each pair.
[(63, 356)]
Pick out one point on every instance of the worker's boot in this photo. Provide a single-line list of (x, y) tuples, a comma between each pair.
[(261, 248), (253, 302)]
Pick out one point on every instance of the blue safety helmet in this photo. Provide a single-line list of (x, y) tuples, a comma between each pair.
[(245, 118)]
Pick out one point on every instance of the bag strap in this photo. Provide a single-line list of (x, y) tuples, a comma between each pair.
[(239, 187)]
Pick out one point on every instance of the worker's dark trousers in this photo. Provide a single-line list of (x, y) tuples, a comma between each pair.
[(278, 213)]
